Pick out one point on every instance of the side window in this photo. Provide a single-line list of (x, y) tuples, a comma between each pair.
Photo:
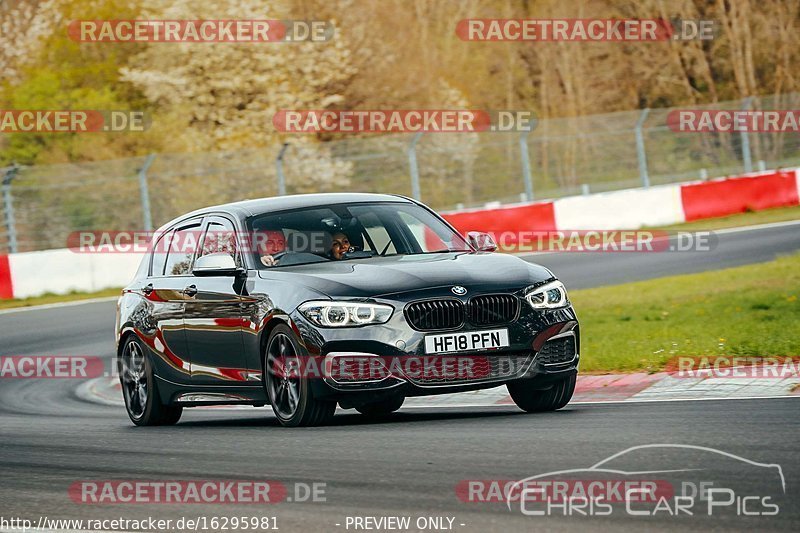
[(181, 251), (160, 254), (220, 237)]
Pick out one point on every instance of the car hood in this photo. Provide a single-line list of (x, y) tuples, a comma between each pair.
[(384, 276)]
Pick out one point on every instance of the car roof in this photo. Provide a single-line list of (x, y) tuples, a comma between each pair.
[(246, 208)]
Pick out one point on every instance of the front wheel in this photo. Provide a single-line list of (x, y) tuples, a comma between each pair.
[(139, 389), (289, 391), (536, 401)]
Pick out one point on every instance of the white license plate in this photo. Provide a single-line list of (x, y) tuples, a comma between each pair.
[(467, 341)]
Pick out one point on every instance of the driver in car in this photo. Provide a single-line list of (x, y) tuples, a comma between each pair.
[(272, 246), (340, 245)]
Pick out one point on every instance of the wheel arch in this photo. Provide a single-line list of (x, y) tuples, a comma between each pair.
[(123, 338), (165, 390), (271, 324)]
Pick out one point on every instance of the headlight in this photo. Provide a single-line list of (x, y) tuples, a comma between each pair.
[(549, 296), (345, 314)]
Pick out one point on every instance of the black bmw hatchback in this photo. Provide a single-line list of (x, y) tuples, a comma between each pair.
[(361, 300)]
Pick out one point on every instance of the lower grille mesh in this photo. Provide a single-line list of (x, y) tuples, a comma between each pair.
[(558, 351), (467, 369)]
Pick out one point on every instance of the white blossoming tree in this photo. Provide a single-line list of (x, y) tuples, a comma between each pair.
[(222, 96)]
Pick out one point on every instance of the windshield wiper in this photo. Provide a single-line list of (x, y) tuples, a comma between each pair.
[(439, 252)]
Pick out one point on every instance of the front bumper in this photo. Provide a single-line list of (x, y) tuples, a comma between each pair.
[(544, 345)]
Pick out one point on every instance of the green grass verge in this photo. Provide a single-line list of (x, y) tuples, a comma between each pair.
[(752, 310), (752, 218), (57, 298)]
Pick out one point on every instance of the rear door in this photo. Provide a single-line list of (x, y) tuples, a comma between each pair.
[(169, 273)]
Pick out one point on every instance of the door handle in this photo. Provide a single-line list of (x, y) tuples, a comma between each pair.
[(190, 291), (148, 289)]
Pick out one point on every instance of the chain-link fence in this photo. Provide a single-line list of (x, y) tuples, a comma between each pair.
[(42, 205)]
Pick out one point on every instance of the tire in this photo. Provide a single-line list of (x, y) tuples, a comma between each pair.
[(139, 389), (382, 407), (537, 401), (289, 392), (172, 415)]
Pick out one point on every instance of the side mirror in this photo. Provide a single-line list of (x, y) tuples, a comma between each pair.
[(216, 264), (482, 242)]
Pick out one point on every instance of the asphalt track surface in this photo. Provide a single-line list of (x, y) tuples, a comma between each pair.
[(407, 465)]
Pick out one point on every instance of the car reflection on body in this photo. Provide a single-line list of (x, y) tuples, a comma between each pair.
[(424, 310)]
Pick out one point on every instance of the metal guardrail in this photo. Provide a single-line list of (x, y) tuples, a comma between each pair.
[(560, 157)]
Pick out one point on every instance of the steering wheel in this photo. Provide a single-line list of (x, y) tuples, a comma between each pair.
[(275, 258)]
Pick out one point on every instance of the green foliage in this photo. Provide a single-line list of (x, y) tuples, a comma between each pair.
[(66, 75), (752, 310), (387, 54)]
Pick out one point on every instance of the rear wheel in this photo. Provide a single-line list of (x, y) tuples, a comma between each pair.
[(139, 389), (382, 407), (535, 401), (288, 390)]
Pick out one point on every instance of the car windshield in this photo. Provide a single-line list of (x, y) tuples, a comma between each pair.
[(347, 232)]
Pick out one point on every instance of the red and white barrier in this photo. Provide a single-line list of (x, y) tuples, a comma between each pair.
[(636, 208), (677, 203), (505, 220), (6, 287), (62, 271), (728, 196), (627, 209)]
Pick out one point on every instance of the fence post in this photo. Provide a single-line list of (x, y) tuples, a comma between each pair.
[(8, 207), (279, 170), (144, 193), (746, 159), (640, 153), (413, 167), (526, 163)]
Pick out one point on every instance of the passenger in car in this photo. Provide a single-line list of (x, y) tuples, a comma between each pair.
[(272, 247)]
